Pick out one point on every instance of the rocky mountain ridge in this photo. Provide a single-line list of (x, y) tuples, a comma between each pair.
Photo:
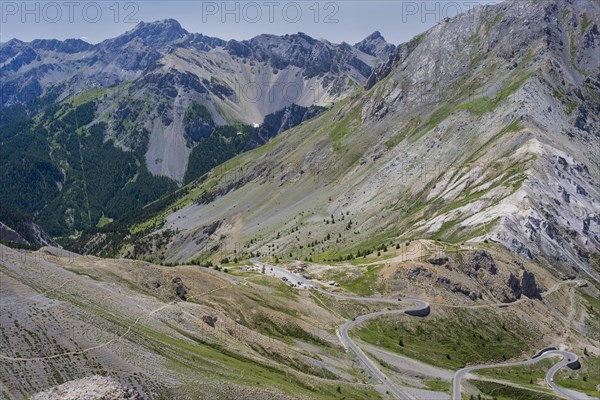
[(154, 71), (176, 102)]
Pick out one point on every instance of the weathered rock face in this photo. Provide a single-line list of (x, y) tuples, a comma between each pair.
[(458, 288), (146, 48), (473, 295), (210, 320), (526, 286), (91, 388), (514, 285), (300, 50), (438, 261), (417, 271), (376, 46), (529, 287), (280, 121), (180, 288), (479, 260), (396, 57), (559, 187)]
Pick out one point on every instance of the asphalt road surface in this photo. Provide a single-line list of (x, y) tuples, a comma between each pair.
[(567, 358)]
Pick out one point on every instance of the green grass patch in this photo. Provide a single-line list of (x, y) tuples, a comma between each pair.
[(95, 94), (104, 221), (363, 283), (498, 391), (418, 39), (572, 48), (593, 310), (595, 261), (478, 106), (490, 23), (438, 385), (350, 123), (585, 23), (81, 273), (572, 105), (452, 232), (573, 52), (280, 288), (476, 59), (585, 380), (460, 337), (484, 104), (285, 332), (526, 375), (412, 126)]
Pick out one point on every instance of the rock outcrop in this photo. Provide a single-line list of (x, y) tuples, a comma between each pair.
[(526, 286), (91, 388), (417, 271), (180, 289), (210, 320), (376, 46), (473, 295), (529, 287), (478, 260), (438, 261)]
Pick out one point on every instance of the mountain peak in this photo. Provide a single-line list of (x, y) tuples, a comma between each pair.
[(157, 34), (168, 29), (13, 41), (168, 24), (375, 35), (375, 45)]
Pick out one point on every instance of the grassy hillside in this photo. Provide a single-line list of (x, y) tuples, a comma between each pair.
[(453, 338)]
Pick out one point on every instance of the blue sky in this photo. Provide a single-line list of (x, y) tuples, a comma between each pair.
[(337, 21)]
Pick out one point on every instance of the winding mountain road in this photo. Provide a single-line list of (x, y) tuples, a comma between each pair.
[(421, 309), (349, 343), (568, 358)]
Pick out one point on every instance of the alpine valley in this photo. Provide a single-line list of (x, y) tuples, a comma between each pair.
[(184, 217)]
